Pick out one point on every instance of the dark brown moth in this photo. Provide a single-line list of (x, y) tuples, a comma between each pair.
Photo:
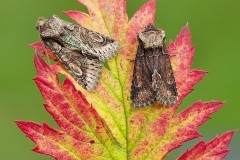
[(153, 78), (80, 50)]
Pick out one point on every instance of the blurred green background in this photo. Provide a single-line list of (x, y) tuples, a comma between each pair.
[(214, 26)]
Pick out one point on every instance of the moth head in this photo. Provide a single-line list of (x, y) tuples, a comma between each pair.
[(52, 27), (152, 37), (41, 21)]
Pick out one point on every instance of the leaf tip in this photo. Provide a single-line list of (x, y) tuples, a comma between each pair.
[(18, 123), (38, 46), (71, 13), (185, 34), (228, 135)]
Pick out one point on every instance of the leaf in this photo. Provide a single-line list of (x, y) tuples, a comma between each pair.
[(81, 126), (215, 149), (103, 124)]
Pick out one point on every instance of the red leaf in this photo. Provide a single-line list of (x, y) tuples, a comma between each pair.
[(77, 119), (55, 143), (181, 52), (44, 71), (215, 149)]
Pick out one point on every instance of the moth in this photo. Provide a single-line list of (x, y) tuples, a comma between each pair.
[(153, 78), (80, 50)]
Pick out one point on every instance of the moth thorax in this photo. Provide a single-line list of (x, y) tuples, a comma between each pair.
[(152, 39)]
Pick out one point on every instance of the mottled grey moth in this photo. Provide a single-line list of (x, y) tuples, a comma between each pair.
[(80, 50), (153, 78)]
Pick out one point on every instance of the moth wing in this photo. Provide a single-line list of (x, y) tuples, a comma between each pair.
[(167, 91), (97, 44), (142, 93), (85, 71)]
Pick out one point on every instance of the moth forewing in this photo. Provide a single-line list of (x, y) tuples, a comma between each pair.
[(153, 78), (80, 50), (96, 44), (85, 71)]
